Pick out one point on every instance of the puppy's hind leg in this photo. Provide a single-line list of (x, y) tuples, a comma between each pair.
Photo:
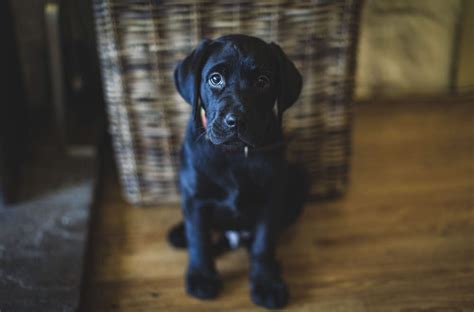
[(177, 236), (297, 189)]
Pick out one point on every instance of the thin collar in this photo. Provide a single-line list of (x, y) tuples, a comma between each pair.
[(203, 118)]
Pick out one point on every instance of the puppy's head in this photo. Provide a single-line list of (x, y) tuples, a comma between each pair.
[(237, 80)]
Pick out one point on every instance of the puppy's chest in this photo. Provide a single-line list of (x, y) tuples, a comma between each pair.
[(240, 189), (239, 206)]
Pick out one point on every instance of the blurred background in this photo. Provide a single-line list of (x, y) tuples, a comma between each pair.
[(410, 48), (53, 134)]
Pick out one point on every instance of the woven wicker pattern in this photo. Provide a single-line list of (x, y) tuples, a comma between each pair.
[(140, 42)]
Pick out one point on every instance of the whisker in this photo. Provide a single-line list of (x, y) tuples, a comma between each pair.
[(200, 136)]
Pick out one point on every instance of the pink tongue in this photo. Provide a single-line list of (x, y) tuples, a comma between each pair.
[(203, 118)]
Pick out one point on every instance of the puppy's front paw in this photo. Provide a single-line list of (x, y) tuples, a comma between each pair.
[(269, 293), (202, 285)]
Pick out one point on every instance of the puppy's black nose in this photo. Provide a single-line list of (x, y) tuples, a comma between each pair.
[(231, 120)]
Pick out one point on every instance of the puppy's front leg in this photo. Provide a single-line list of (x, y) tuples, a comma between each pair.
[(267, 287), (202, 280)]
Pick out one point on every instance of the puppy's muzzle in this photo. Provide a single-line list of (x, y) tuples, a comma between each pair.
[(231, 120), (227, 128)]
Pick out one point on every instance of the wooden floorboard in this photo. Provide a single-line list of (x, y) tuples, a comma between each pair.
[(402, 239)]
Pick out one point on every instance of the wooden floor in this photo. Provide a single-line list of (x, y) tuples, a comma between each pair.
[(402, 239)]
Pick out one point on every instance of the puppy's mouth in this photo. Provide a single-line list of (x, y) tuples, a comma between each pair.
[(229, 140), (224, 140)]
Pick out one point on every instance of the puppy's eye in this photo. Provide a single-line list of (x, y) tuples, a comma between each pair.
[(262, 82), (216, 80)]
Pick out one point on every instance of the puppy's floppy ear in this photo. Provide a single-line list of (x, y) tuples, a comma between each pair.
[(289, 78), (187, 76)]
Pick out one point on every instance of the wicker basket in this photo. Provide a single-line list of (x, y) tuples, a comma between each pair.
[(140, 42)]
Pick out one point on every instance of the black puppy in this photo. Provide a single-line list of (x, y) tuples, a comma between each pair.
[(234, 175)]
